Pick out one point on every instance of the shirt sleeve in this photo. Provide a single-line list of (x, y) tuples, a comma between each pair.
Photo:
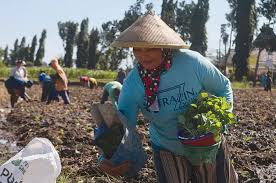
[(213, 81), (112, 96), (127, 104)]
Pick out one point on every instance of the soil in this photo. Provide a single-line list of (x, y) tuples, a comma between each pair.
[(252, 141)]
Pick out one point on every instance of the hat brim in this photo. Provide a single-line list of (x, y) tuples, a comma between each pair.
[(146, 45)]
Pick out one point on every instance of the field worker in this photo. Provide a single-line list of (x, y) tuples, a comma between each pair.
[(111, 89), (268, 83), (92, 83), (19, 71), (60, 81), (84, 80), (17, 82), (263, 80), (48, 88), (164, 82), (121, 76)]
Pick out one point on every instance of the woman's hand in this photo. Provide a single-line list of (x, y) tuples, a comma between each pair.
[(106, 166)]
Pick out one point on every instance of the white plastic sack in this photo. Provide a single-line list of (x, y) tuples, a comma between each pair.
[(38, 162)]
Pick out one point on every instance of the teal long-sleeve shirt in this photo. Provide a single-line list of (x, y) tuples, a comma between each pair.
[(179, 86), (110, 88)]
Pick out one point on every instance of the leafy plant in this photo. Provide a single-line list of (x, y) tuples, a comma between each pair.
[(208, 114)]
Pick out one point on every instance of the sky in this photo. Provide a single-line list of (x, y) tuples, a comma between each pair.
[(29, 17)]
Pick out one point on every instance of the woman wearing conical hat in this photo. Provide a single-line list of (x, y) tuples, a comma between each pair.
[(163, 83)]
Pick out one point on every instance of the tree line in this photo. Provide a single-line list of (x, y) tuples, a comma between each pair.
[(93, 47), (188, 19), (21, 51)]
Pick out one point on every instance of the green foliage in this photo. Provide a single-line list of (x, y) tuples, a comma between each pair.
[(83, 45), (112, 56), (232, 16), (93, 57), (102, 63), (168, 13), (41, 49), (6, 55), (239, 85), (72, 74), (108, 34), (246, 24), (131, 15), (224, 34), (32, 50), (67, 32), (14, 53), (149, 6), (267, 8), (198, 27), (252, 59), (22, 49), (183, 19), (207, 114), (4, 71), (2, 53), (266, 39)]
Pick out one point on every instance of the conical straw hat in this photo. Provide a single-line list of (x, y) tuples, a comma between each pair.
[(149, 31)]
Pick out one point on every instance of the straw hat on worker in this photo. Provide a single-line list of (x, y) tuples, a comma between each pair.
[(149, 31)]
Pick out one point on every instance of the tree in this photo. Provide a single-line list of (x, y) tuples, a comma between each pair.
[(149, 7), (131, 15), (102, 63), (83, 45), (14, 52), (113, 56), (23, 42), (41, 50), (184, 15), (2, 52), (67, 32), (224, 36), (21, 49), (94, 40), (26, 53), (267, 8), (32, 50), (198, 27), (231, 17), (6, 55), (265, 40), (246, 24), (168, 13)]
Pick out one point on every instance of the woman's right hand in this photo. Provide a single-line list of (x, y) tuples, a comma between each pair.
[(114, 170)]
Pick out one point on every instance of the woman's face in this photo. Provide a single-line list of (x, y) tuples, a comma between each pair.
[(149, 58)]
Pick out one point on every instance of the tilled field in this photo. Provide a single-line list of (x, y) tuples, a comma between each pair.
[(252, 141)]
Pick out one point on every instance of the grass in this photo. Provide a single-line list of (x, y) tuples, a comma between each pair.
[(72, 73), (252, 59), (240, 85)]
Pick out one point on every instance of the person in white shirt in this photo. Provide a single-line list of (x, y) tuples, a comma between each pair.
[(19, 71), (17, 82)]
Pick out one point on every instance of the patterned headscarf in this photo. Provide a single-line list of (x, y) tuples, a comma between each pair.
[(151, 80)]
